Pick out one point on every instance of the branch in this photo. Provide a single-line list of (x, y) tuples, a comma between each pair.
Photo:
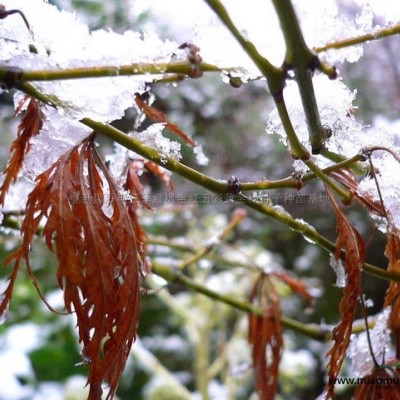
[(214, 185), (236, 218), (171, 276), (294, 183), (312, 331), (275, 76), (151, 362), (368, 37), (14, 76), (300, 152), (311, 234), (303, 61)]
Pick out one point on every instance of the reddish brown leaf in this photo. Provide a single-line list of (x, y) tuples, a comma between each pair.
[(30, 126), (347, 179), (295, 284), (100, 249), (141, 237), (352, 243), (392, 297), (158, 116), (381, 384), (134, 185), (265, 337), (5, 297), (160, 172)]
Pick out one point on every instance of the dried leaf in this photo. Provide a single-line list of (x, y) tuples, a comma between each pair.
[(352, 243), (381, 384), (134, 185), (265, 337), (141, 237), (160, 172), (347, 179), (29, 127), (158, 116), (295, 284), (5, 297), (99, 245), (392, 298)]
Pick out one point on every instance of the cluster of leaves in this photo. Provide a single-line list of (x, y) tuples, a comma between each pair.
[(99, 244)]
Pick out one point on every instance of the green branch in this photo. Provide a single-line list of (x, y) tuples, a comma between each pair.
[(303, 61), (317, 133), (311, 234), (300, 152), (211, 184), (368, 37), (297, 53), (312, 331), (237, 217), (275, 76), (293, 183), (15, 76), (129, 142)]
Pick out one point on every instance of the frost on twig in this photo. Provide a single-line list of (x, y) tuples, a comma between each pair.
[(359, 352), (61, 41)]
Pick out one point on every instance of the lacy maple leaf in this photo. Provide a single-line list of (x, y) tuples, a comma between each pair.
[(98, 241), (29, 126), (265, 337), (352, 243)]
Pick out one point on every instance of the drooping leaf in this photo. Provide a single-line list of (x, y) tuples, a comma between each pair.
[(141, 237), (5, 297), (100, 249), (29, 127), (158, 116), (295, 284), (347, 179), (381, 384), (134, 185), (352, 243), (392, 298), (160, 172), (265, 337)]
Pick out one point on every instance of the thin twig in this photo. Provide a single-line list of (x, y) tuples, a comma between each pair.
[(368, 37)]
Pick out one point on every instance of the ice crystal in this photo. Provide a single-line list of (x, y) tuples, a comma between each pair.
[(117, 161), (17, 196), (58, 41), (61, 41), (57, 136), (322, 22), (335, 103), (201, 158), (389, 184), (338, 268), (359, 351), (153, 138)]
